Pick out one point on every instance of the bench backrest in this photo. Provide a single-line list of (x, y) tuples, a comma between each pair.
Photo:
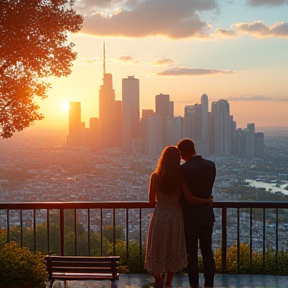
[(105, 265)]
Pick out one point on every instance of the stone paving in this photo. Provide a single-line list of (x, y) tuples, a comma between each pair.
[(181, 281)]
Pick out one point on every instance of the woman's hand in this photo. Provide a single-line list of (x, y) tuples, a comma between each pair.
[(211, 199)]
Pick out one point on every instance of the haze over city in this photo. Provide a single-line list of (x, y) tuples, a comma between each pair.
[(233, 50)]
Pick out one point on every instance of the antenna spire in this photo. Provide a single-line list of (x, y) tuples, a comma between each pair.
[(104, 60)]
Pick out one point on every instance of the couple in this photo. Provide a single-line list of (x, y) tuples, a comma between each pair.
[(183, 215)]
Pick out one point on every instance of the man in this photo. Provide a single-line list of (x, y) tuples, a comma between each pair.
[(199, 173)]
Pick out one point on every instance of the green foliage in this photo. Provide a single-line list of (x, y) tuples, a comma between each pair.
[(271, 266), (34, 46), (133, 264), (108, 233), (21, 268)]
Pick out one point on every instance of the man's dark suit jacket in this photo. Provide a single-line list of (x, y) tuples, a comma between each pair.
[(199, 174)]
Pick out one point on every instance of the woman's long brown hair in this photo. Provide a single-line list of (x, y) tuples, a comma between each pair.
[(168, 180)]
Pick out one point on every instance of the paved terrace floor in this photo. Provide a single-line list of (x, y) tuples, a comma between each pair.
[(181, 281)]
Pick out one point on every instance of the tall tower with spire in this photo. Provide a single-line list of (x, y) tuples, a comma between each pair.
[(108, 112)]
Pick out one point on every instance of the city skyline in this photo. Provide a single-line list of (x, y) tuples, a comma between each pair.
[(232, 50), (213, 132)]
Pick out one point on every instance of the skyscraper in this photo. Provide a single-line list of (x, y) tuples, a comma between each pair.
[(221, 123), (259, 143), (204, 106), (130, 113), (164, 110), (146, 113), (163, 106), (154, 136), (74, 138), (193, 122), (250, 149), (107, 111)]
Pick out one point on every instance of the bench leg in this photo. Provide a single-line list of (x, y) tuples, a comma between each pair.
[(114, 283)]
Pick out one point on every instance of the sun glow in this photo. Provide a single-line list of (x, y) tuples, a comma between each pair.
[(65, 106)]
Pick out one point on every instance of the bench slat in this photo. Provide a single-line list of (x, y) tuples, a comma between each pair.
[(83, 270), (82, 264), (84, 258), (83, 277)]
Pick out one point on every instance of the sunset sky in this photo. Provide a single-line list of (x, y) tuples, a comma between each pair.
[(229, 49)]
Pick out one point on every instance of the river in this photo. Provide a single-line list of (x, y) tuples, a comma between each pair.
[(270, 187)]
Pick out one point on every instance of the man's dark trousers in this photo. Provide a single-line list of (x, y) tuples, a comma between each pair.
[(204, 234)]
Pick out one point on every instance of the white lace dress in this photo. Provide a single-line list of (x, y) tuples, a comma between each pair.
[(165, 248)]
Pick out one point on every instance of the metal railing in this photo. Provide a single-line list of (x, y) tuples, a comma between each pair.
[(227, 211)]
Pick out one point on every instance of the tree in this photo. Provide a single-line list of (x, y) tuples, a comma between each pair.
[(33, 47)]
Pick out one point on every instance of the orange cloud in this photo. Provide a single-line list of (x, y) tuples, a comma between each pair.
[(126, 59), (182, 71), (164, 62), (138, 19), (87, 61), (259, 29), (225, 33)]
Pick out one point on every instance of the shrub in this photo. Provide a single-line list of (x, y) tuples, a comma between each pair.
[(21, 268), (133, 264), (271, 266)]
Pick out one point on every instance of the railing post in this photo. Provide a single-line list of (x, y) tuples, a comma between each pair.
[(114, 234), (62, 231), (140, 237), (224, 239), (8, 226), (34, 229)]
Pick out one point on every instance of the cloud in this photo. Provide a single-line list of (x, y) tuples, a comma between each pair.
[(259, 29), (256, 29), (127, 59), (87, 61), (90, 6), (148, 18), (164, 62), (181, 71), (225, 33), (255, 98), (266, 2)]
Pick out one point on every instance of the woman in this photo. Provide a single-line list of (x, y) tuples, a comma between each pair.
[(166, 249)]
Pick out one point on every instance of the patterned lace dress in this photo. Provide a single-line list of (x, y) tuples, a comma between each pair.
[(165, 248)]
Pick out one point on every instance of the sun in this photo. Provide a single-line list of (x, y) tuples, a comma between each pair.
[(65, 107)]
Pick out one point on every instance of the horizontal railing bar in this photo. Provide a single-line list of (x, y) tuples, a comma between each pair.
[(118, 205), (73, 205)]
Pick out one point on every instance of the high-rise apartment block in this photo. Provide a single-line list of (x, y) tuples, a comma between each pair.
[(164, 108), (221, 123), (146, 114), (130, 113), (204, 107)]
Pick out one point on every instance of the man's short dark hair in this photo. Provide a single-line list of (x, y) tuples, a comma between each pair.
[(186, 147)]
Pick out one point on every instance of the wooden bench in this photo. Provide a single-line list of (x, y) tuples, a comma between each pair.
[(83, 268)]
